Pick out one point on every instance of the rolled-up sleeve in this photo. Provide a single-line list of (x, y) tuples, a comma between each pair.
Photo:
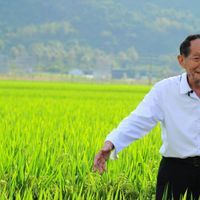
[(138, 123)]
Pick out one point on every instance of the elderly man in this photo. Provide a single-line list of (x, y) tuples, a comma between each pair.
[(175, 102)]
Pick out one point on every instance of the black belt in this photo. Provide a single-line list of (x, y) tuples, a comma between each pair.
[(193, 161)]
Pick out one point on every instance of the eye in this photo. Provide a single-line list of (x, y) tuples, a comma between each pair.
[(196, 59)]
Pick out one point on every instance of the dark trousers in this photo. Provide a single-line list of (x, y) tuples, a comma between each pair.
[(176, 176)]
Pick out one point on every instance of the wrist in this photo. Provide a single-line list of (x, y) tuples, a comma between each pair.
[(108, 145)]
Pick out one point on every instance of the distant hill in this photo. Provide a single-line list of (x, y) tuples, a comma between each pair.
[(65, 34)]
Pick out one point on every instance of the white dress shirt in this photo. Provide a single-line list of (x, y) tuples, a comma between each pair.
[(171, 102)]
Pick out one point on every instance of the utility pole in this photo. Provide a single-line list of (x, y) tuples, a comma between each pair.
[(149, 61), (150, 74)]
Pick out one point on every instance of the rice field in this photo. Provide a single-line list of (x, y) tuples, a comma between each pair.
[(50, 133)]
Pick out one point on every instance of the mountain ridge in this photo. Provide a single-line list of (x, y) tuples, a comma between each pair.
[(149, 29)]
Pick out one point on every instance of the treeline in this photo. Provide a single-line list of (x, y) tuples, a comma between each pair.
[(56, 57)]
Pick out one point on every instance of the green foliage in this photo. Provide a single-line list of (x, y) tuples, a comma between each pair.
[(50, 133)]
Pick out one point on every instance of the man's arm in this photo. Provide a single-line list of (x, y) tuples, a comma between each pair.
[(133, 127)]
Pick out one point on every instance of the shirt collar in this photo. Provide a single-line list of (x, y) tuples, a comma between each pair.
[(184, 86)]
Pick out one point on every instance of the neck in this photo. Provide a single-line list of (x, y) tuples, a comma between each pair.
[(194, 84)]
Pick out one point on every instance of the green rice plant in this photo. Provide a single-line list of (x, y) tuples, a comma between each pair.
[(50, 133)]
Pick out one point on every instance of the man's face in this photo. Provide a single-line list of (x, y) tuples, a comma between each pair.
[(191, 63)]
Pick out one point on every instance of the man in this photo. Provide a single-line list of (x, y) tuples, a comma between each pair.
[(175, 102)]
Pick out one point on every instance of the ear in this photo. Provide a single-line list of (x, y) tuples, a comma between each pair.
[(181, 60)]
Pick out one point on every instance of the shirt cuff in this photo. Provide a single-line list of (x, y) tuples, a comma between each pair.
[(114, 155)]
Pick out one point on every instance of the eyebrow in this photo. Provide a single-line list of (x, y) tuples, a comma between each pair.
[(196, 54)]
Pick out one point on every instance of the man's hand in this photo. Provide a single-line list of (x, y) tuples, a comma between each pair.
[(102, 156)]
